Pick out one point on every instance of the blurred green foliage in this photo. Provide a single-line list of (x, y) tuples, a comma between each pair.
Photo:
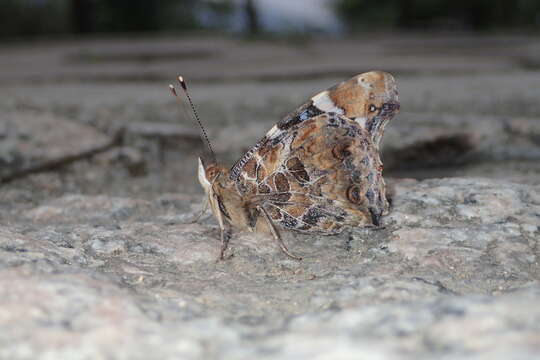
[(141, 15), (440, 14), (46, 17), (28, 17)]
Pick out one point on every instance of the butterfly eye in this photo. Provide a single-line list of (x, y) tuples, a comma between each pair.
[(372, 108)]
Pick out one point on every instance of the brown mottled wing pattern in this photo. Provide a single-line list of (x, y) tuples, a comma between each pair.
[(370, 99), (319, 175)]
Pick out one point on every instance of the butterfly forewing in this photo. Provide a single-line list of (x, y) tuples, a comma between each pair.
[(369, 99)]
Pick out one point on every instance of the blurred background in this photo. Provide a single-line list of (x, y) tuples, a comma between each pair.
[(38, 18), (85, 106)]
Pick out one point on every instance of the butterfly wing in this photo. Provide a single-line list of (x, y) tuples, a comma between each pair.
[(370, 99), (322, 174)]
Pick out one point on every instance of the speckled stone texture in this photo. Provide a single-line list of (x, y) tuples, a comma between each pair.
[(31, 138), (100, 257), (454, 273)]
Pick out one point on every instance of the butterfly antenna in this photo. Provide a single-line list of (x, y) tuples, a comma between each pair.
[(194, 115)]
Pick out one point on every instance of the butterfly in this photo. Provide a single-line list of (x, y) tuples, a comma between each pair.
[(318, 170)]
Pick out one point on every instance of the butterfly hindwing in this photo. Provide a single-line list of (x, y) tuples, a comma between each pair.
[(324, 174)]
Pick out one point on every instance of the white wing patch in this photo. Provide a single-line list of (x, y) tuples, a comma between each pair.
[(273, 132), (323, 102), (363, 84), (361, 121)]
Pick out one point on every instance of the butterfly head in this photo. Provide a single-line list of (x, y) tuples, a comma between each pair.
[(214, 178), (209, 175), (226, 204)]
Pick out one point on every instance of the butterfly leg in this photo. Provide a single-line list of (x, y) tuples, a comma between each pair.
[(276, 236), (225, 237), (202, 212), (226, 231)]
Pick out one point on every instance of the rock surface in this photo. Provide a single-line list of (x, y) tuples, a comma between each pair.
[(100, 259), (31, 140), (454, 273)]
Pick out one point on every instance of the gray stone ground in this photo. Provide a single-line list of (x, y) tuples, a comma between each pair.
[(99, 258)]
